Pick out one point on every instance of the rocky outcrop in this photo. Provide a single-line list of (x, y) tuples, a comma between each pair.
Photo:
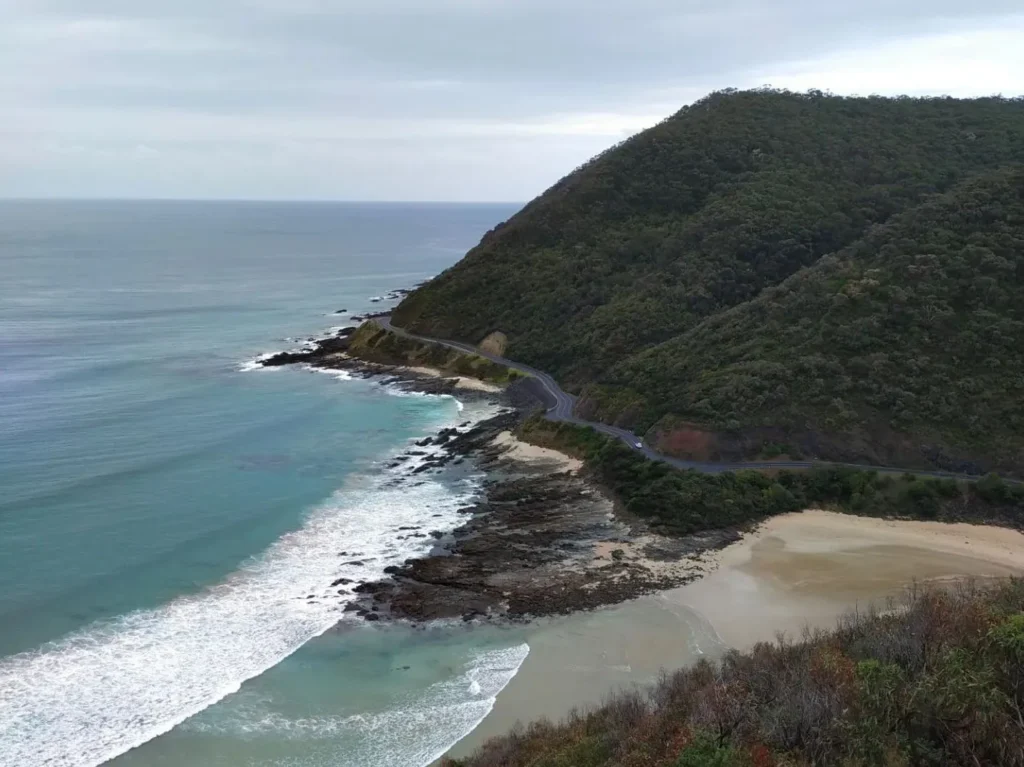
[(320, 350), (540, 541)]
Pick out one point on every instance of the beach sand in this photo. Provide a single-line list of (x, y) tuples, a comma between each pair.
[(518, 450), (462, 382), (797, 570)]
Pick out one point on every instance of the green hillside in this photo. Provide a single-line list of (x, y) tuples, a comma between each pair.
[(914, 333), (655, 279)]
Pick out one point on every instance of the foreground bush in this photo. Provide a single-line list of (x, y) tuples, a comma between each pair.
[(938, 682)]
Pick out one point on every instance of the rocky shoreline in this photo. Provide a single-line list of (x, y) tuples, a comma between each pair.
[(542, 539)]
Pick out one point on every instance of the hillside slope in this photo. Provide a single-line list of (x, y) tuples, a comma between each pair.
[(604, 277), (908, 344)]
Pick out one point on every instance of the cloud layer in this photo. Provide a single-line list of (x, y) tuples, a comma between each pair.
[(428, 99)]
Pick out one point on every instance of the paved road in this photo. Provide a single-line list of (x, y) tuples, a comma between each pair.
[(561, 407)]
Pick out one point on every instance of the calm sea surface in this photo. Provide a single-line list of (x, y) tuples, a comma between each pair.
[(171, 519)]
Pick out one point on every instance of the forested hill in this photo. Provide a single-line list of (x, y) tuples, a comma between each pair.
[(655, 279)]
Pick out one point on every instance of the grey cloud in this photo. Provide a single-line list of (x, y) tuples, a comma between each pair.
[(405, 79)]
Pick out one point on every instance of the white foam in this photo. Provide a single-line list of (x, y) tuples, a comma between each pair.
[(417, 732), (256, 363), (340, 375), (95, 694)]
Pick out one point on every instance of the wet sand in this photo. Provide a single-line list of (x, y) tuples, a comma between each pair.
[(796, 571)]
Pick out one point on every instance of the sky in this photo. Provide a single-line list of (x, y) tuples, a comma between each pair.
[(441, 100)]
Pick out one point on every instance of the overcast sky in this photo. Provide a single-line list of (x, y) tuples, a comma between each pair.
[(429, 99)]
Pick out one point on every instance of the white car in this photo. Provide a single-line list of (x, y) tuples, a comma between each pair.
[(640, 445)]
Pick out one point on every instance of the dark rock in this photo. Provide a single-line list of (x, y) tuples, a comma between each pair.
[(341, 582), (324, 347)]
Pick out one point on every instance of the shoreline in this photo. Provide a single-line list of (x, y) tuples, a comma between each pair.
[(594, 554), (543, 539)]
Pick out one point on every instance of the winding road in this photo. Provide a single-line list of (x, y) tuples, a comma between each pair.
[(561, 406)]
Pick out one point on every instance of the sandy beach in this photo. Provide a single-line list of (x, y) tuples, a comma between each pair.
[(518, 450), (462, 382), (795, 571)]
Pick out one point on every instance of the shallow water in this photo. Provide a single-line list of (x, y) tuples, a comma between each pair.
[(170, 525)]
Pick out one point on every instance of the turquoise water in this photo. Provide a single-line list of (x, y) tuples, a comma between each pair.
[(170, 519)]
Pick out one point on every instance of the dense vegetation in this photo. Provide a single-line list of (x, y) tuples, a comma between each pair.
[(682, 502), (842, 270), (940, 682), (918, 328)]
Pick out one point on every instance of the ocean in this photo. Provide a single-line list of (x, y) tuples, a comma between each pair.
[(171, 517)]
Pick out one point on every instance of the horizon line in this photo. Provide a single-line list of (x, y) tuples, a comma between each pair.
[(322, 200)]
